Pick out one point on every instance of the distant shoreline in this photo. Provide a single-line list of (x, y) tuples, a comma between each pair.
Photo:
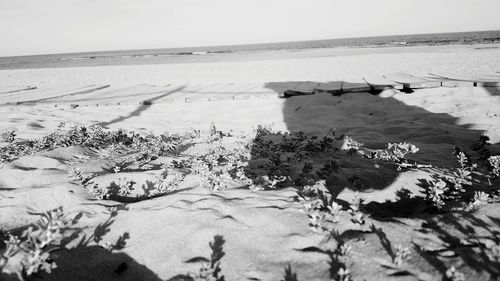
[(335, 47)]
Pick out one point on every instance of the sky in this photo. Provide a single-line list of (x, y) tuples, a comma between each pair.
[(61, 26)]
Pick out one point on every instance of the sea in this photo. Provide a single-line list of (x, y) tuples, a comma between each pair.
[(214, 53)]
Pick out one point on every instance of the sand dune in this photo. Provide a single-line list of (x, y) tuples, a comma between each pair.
[(265, 230)]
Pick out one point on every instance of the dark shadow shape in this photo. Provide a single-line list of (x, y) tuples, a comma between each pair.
[(431, 259), (88, 261), (323, 109), (181, 277), (494, 91), (95, 263), (103, 96), (197, 260), (226, 199), (140, 109), (303, 160), (102, 228), (436, 130), (22, 168), (192, 202), (404, 208), (453, 229), (311, 249), (79, 91), (407, 90), (495, 220), (384, 241), (270, 207)]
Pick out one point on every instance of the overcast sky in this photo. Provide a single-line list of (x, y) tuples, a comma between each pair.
[(56, 26)]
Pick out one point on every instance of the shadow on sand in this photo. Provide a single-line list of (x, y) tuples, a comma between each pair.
[(88, 260), (375, 121), (145, 105)]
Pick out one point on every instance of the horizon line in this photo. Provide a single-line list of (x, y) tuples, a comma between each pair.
[(233, 45)]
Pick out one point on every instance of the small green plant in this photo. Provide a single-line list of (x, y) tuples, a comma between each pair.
[(335, 210), (317, 221), (494, 162), (94, 190), (355, 208), (338, 258), (8, 136), (328, 169), (165, 183), (121, 187), (398, 151), (480, 147), (401, 255), (37, 242), (147, 147), (480, 198), (435, 193), (350, 144), (216, 180), (319, 206), (344, 274), (453, 274)]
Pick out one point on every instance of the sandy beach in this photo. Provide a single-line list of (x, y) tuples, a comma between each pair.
[(265, 230)]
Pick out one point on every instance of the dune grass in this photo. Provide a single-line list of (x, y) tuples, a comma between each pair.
[(314, 165)]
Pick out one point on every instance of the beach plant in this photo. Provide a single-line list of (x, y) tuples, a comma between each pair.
[(453, 274), (468, 186), (95, 137), (329, 168), (8, 136), (11, 249), (121, 187), (36, 243), (464, 160), (435, 193), (94, 190), (401, 255), (480, 147), (218, 166), (213, 179), (216, 180), (395, 152), (398, 151), (494, 162), (335, 210), (339, 270), (164, 184), (319, 205), (214, 134), (317, 221), (350, 144), (480, 198), (268, 142), (355, 209)]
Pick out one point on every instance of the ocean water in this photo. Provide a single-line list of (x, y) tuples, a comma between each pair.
[(218, 53)]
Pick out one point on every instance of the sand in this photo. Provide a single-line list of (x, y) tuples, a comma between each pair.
[(264, 230)]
